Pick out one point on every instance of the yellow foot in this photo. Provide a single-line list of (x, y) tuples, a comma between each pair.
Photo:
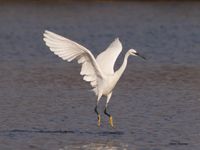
[(99, 120), (111, 121)]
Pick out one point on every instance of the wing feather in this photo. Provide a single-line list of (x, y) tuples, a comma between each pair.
[(70, 50), (107, 58)]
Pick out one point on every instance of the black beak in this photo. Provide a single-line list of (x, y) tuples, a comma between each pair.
[(140, 56)]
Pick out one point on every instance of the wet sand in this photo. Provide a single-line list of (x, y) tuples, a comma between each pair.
[(45, 104)]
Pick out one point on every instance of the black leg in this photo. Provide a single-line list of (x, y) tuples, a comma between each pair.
[(110, 117), (98, 116), (95, 110), (106, 113)]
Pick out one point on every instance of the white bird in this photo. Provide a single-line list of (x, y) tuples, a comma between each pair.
[(99, 72)]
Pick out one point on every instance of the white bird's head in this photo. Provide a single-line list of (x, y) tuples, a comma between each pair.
[(135, 53)]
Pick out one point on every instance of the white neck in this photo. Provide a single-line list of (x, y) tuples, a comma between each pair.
[(120, 71)]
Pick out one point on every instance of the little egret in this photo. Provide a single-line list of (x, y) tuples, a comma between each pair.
[(99, 72)]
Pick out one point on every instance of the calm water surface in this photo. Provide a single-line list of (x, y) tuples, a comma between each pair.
[(45, 105)]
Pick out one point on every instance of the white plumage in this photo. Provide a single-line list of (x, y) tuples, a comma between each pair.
[(100, 71), (69, 50), (107, 58)]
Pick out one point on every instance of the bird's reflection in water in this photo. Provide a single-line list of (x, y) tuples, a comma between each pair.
[(97, 146)]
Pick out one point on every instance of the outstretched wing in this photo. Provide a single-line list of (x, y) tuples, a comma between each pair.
[(107, 58), (70, 50)]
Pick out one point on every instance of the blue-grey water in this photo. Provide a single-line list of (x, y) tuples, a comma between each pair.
[(45, 104)]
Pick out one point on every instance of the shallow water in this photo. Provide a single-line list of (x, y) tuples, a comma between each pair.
[(45, 104)]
